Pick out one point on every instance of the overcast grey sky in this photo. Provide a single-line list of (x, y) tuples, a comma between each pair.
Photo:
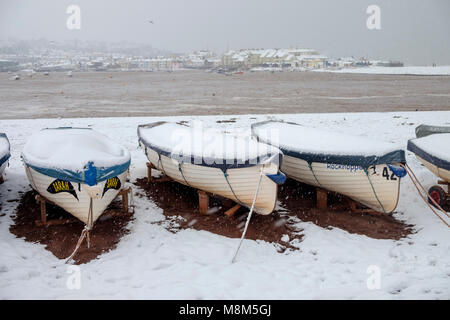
[(414, 31)]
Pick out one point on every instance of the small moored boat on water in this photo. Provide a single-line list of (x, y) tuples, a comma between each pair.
[(5, 154), (432, 148), (78, 169), (215, 162), (363, 169)]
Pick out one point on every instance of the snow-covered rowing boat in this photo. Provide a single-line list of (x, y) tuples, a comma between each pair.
[(363, 169), (5, 153), (78, 169), (425, 130), (433, 150), (215, 162)]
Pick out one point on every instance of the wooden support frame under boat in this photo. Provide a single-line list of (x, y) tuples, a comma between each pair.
[(203, 204), (322, 203), (124, 193), (203, 196), (164, 178)]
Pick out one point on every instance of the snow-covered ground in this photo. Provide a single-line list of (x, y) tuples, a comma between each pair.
[(151, 262), (411, 70)]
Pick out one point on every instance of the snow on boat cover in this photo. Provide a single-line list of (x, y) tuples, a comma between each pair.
[(219, 163), (315, 145), (58, 159), (79, 155), (434, 149), (207, 147)]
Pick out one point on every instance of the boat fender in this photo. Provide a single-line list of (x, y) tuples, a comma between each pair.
[(397, 170), (278, 178)]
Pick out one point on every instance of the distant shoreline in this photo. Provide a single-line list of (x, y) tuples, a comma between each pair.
[(187, 93)]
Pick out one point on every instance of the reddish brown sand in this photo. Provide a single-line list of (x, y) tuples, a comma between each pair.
[(179, 200), (61, 239), (297, 199)]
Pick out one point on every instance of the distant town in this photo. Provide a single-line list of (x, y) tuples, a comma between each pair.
[(47, 56)]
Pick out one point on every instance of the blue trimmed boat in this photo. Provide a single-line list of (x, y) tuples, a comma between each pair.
[(215, 162), (78, 169), (363, 169), (5, 153), (432, 148)]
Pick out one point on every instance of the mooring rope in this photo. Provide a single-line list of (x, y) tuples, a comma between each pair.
[(425, 191), (182, 174), (225, 174), (249, 216), (312, 171), (84, 233), (374, 192), (413, 177), (160, 162)]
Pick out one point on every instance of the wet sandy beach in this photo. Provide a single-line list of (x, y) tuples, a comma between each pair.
[(106, 94)]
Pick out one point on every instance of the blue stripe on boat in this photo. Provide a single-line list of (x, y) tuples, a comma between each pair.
[(91, 175)]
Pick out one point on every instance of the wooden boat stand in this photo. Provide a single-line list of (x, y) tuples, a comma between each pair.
[(163, 178), (322, 197), (124, 193), (203, 197), (203, 204)]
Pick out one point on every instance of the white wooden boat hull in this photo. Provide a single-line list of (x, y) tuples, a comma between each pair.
[(440, 172), (349, 181), (243, 181), (66, 200)]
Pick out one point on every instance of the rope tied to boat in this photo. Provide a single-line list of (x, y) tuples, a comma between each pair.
[(314, 175), (249, 216), (373, 190), (225, 174), (182, 174), (160, 163), (417, 184), (85, 233)]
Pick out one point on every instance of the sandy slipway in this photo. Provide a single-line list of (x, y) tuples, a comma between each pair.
[(151, 262)]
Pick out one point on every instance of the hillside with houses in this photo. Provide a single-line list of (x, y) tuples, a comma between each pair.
[(49, 56)]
